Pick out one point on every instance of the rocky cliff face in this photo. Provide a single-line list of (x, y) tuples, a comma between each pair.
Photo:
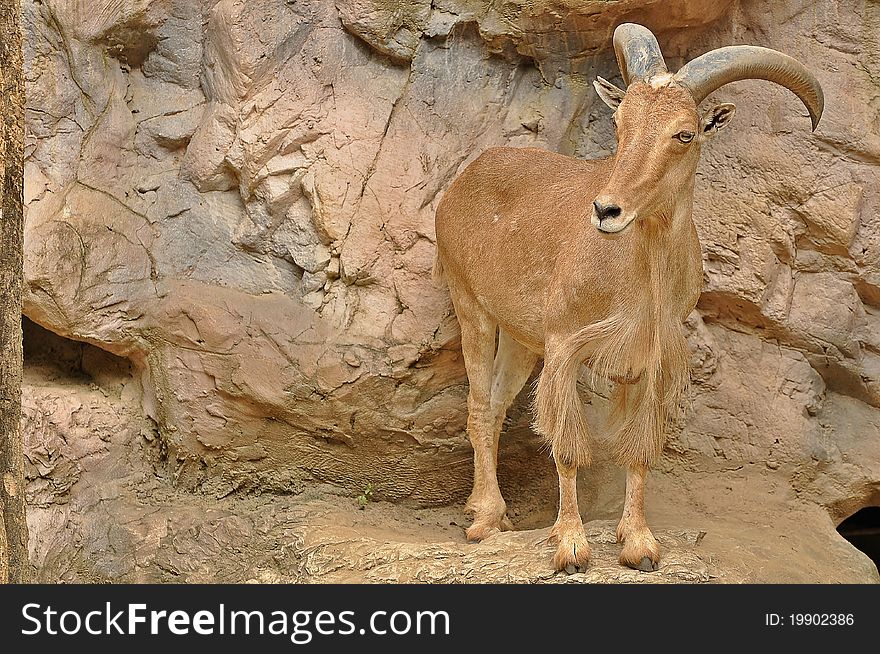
[(238, 197)]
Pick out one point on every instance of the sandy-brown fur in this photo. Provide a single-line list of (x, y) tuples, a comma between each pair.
[(517, 249)]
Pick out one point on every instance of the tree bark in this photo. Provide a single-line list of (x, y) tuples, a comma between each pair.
[(14, 565)]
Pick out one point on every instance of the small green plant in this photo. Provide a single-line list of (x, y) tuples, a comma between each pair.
[(364, 498)]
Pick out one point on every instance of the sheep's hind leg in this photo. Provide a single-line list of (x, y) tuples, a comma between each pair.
[(640, 548), (478, 348), (513, 365)]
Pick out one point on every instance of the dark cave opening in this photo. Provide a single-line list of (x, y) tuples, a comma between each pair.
[(57, 357), (862, 530)]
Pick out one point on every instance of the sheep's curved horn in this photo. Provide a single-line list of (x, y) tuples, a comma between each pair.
[(714, 69), (638, 53)]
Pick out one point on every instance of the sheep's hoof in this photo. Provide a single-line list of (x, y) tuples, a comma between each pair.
[(640, 551), (480, 531), (647, 565), (572, 553)]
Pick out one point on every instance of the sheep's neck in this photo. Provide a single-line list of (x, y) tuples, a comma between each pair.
[(661, 252)]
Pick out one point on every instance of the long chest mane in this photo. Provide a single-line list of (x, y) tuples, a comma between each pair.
[(643, 330)]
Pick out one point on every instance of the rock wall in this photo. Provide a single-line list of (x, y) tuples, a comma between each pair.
[(238, 197), (103, 508)]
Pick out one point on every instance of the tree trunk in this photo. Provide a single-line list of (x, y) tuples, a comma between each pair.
[(14, 566)]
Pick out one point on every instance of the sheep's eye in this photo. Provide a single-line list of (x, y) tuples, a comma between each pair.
[(685, 137)]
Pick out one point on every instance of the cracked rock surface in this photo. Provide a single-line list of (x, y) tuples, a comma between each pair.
[(237, 198), (105, 507)]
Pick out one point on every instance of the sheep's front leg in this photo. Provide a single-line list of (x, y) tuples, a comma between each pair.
[(560, 419), (572, 548), (640, 548)]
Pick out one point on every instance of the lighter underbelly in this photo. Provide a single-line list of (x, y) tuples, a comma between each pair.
[(529, 339)]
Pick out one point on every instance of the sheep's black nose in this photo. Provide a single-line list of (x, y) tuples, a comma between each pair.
[(605, 211)]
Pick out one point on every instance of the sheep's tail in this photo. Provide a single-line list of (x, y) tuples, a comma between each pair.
[(559, 411), (437, 271)]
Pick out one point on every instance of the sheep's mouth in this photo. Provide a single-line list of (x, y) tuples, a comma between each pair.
[(612, 225)]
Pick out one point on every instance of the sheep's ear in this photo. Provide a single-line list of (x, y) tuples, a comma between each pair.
[(610, 94), (717, 118)]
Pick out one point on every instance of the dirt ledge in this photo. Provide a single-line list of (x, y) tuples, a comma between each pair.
[(104, 508)]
